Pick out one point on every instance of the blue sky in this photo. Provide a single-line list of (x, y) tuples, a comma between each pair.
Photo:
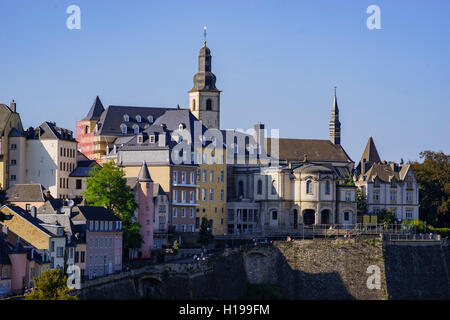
[(275, 61)]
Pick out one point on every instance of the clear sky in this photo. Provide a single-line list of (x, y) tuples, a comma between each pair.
[(275, 61)]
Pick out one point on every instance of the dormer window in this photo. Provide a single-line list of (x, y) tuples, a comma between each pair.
[(123, 128), (140, 139), (136, 129), (126, 118), (181, 126), (150, 119), (138, 118), (152, 139)]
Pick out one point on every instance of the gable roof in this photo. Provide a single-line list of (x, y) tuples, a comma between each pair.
[(26, 193), (387, 171), (49, 130), (96, 110), (316, 150), (27, 217)]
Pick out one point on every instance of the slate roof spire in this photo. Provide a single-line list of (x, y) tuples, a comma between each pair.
[(370, 153), (96, 110), (335, 125), (144, 174)]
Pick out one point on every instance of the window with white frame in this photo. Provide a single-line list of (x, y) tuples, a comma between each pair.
[(183, 212), (175, 212), (175, 177)]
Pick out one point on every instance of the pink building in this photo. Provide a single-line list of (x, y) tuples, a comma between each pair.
[(143, 188)]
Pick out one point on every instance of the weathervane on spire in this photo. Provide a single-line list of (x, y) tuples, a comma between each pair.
[(334, 90), (204, 35)]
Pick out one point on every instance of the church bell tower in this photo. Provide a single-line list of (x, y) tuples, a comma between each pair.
[(204, 97)]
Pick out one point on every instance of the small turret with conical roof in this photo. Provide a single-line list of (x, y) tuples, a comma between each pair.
[(144, 174)]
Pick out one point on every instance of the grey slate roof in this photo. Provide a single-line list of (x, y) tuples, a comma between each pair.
[(144, 175), (83, 213), (16, 133), (26, 193), (113, 117), (316, 150), (96, 110), (83, 168), (49, 130)]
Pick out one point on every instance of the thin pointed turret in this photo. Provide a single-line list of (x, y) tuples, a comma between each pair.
[(335, 125)]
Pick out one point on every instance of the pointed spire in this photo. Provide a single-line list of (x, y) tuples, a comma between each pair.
[(96, 110), (335, 125), (370, 154), (144, 174)]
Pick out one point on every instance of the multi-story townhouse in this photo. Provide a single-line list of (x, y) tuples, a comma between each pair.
[(51, 155), (160, 217), (212, 196), (104, 241), (12, 144), (389, 186), (48, 239)]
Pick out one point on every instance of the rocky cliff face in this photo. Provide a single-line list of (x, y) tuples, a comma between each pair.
[(319, 269)]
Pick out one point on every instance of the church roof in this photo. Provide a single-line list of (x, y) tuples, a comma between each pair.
[(316, 150), (96, 110)]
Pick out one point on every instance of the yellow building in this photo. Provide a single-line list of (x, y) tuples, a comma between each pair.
[(9, 120), (212, 196)]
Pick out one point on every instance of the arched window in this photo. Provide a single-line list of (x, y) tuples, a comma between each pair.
[(126, 118), (150, 119), (193, 104), (308, 186), (260, 186), (327, 187), (138, 118), (136, 129), (240, 189), (208, 105), (274, 189), (123, 128)]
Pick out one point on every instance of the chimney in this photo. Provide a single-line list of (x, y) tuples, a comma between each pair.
[(67, 210), (33, 211), (48, 194), (13, 106), (305, 158), (363, 166), (5, 230)]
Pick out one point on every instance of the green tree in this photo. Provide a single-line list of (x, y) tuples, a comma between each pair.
[(433, 177), (107, 187), (385, 216), (205, 236), (50, 285), (361, 202)]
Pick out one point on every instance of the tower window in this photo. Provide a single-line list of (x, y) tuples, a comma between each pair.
[(193, 104), (208, 105)]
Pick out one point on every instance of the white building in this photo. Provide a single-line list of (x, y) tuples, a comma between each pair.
[(51, 155), (389, 186)]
